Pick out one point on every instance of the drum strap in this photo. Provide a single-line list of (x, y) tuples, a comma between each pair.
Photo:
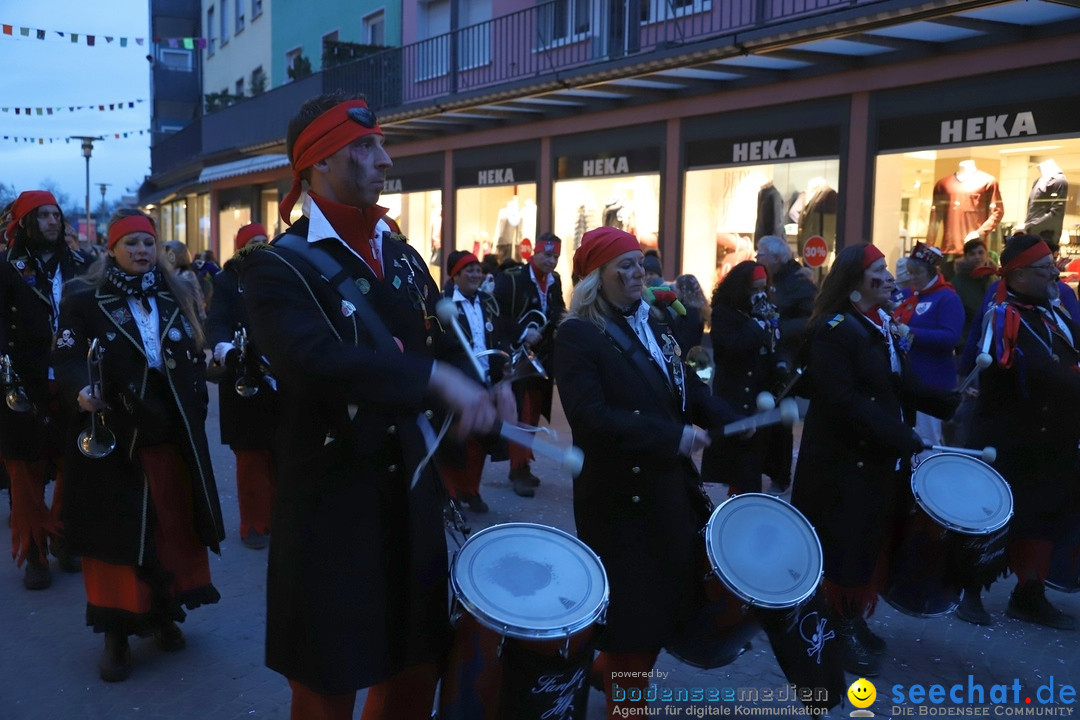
[(637, 353)]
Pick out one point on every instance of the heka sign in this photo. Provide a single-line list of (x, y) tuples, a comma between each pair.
[(988, 127), (497, 176), (763, 150)]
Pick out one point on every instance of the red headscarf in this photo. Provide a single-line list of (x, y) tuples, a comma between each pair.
[(870, 255), (464, 261), (245, 234), (600, 246), (27, 201), (324, 136), (1036, 252), (127, 225)]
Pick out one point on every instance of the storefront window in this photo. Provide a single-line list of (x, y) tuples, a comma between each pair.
[(230, 220), (174, 221), (419, 215), (271, 218), (202, 214), (728, 209), (946, 197), (496, 220)]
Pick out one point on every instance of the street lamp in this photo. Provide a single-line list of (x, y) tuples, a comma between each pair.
[(103, 219), (87, 148)]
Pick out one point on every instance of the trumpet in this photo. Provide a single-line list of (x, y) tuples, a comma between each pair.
[(96, 441), (15, 396), (246, 385)]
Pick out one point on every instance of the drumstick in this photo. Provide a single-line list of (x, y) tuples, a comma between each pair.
[(982, 361), (987, 454), (790, 384), (570, 459), (447, 313), (787, 413)]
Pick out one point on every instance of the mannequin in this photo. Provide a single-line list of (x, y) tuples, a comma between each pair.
[(1046, 203), (966, 205), (770, 212), (508, 231), (818, 216), (435, 233)]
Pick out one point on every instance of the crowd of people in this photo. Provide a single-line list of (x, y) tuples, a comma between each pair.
[(361, 417)]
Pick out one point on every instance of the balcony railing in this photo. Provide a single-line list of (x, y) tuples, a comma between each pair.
[(539, 43)]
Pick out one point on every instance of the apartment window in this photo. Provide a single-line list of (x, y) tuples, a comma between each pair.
[(562, 20), (256, 8), (239, 88), (239, 15), (375, 28), (178, 60), (660, 10), (258, 81), (225, 22), (433, 54), (290, 58), (211, 42)]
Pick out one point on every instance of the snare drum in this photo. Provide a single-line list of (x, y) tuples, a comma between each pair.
[(953, 538), (768, 560), (527, 599)]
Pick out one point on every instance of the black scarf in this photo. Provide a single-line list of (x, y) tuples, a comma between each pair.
[(136, 286)]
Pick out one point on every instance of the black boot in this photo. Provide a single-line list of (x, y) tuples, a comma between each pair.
[(1028, 603), (971, 608), (523, 481), (858, 660), (115, 662), (38, 576), (65, 560), (873, 642)]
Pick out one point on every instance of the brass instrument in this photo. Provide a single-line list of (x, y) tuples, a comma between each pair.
[(246, 385), (15, 396), (96, 441), (523, 363)]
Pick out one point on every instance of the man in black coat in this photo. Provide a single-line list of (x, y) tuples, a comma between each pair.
[(792, 292), (356, 586), (32, 271), (531, 295), (1029, 409), (247, 394)]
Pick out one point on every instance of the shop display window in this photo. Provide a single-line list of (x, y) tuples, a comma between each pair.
[(230, 220), (728, 209), (174, 221), (627, 202), (499, 220), (945, 197), (419, 215)]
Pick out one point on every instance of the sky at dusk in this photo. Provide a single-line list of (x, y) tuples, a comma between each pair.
[(57, 73)]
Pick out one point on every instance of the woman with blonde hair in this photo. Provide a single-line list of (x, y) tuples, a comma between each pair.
[(142, 514), (635, 412)]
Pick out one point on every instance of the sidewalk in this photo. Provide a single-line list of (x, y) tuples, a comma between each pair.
[(48, 657)]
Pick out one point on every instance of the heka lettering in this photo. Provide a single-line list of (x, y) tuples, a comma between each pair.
[(393, 185), (605, 166), (763, 150), (500, 176), (989, 127)]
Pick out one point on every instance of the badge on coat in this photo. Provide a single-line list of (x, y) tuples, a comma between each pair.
[(174, 334), (488, 326), (65, 340), (347, 308), (187, 327), (364, 285), (921, 308), (110, 336), (120, 316)]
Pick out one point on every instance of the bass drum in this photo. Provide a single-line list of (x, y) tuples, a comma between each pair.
[(527, 600), (953, 538), (766, 565)]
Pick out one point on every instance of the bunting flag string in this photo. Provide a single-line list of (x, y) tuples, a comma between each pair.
[(43, 111), (18, 32), (50, 140)]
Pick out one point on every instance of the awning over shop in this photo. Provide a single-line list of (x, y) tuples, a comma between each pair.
[(247, 166)]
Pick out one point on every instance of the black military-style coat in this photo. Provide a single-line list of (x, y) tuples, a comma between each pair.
[(637, 503), (27, 313), (107, 506), (858, 427), (246, 423), (1031, 414), (497, 336), (517, 295), (357, 580)]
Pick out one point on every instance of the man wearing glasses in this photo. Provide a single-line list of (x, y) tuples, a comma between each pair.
[(345, 311), (1029, 409)]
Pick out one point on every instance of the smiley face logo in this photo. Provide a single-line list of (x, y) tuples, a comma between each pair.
[(862, 693)]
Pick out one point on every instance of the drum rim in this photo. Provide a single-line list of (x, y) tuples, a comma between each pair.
[(516, 631), (745, 597), (953, 527)]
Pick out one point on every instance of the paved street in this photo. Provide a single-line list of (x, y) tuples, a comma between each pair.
[(48, 657)]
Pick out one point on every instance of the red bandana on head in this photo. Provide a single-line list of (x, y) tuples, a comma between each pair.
[(600, 246), (328, 133), (127, 225), (27, 201)]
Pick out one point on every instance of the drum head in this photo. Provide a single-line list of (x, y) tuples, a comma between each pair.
[(764, 550), (530, 581), (962, 493)]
